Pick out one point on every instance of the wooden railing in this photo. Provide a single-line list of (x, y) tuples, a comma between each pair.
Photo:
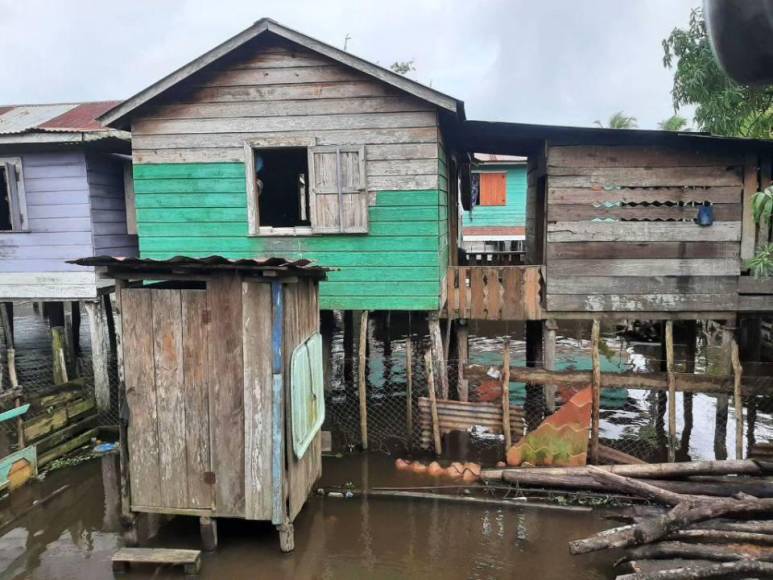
[(494, 293), (493, 258)]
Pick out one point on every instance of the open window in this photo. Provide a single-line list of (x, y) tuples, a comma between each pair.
[(298, 188), (13, 206)]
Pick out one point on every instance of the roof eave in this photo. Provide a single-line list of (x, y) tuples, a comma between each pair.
[(117, 116), (59, 137)]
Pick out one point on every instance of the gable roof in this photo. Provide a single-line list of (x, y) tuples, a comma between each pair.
[(118, 116), (55, 123)]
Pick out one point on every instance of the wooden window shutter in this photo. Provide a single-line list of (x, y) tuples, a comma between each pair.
[(13, 195), (338, 195), (493, 189)]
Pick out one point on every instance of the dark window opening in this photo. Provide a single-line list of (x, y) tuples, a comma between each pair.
[(282, 187), (6, 223)]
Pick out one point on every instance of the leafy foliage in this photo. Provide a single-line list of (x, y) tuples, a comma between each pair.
[(762, 204), (619, 121), (722, 106), (674, 123), (761, 265), (402, 67)]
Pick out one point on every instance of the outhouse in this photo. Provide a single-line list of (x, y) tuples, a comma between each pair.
[(221, 390)]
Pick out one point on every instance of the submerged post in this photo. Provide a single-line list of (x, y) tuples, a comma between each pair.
[(409, 385), (549, 361), (100, 349), (506, 394), (737, 399), (596, 390), (726, 366), (671, 390), (433, 403), (362, 378), (436, 341), (463, 349)]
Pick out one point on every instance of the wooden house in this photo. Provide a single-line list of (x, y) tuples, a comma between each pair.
[(274, 143), (222, 367), (62, 196)]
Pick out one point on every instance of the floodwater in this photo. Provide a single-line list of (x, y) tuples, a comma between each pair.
[(73, 534)]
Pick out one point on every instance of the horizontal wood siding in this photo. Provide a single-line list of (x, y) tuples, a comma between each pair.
[(513, 213), (190, 186), (59, 216), (108, 206), (620, 230)]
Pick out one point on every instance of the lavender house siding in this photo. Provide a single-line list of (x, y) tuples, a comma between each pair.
[(108, 209), (75, 208)]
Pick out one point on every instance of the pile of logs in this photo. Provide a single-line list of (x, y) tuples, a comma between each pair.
[(714, 528)]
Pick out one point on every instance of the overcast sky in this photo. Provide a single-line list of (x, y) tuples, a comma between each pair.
[(538, 61)]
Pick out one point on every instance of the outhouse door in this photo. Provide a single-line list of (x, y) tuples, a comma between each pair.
[(165, 351)]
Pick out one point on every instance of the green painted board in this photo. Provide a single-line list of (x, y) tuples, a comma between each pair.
[(307, 393)]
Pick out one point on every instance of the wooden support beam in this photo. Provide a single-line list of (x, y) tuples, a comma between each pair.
[(669, 327), (208, 531), (596, 386), (100, 351), (436, 343), (58, 353), (725, 364), (362, 378), (506, 394), (737, 399), (433, 403), (463, 350), (549, 358)]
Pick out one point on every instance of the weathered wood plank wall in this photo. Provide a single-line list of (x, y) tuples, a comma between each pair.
[(108, 206), (620, 230), (190, 181)]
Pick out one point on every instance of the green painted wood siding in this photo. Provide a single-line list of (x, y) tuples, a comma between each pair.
[(513, 213), (200, 209)]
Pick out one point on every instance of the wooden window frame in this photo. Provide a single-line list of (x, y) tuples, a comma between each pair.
[(480, 188), (16, 195), (360, 189), (253, 211)]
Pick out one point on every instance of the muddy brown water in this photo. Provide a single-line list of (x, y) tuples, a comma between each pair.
[(73, 534)]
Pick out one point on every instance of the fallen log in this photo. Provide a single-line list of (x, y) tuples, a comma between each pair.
[(701, 570), (537, 478), (641, 488), (658, 527), (720, 552), (647, 471), (722, 536)]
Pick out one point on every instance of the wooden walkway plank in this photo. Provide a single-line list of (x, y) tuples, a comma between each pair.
[(189, 559)]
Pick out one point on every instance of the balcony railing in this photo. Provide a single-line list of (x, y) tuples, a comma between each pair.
[(494, 293)]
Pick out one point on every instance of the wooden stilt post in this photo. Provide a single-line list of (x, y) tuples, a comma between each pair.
[(737, 399), (100, 350), (463, 349), (671, 390), (362, 378), (691, 337), (506, 394), (436, 340), (409, 385), (6, 325), (208, 530), (596, 387), (433, 402), (723, 400), (69, 340), (549, 359), (56, 322)]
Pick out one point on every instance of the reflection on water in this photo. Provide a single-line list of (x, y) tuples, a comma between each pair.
[(74, 534)]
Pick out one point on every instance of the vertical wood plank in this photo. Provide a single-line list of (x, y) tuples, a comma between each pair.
[(596, 387), (477, 294), (452, 294), (409, 384), (671, 390), (506, 394), (494, 307), (512, 302), (226, 379), (549, 361), (196, 394), (433, 402), (167, 350), (362, 378), (463, 301), (100, 352), (462, 343), (257, 312), (139, 374), (436, 343), (750, 187), (737, 399)]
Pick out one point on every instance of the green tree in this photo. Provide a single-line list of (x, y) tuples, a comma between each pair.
[(402, 67), (722, 106), (674, 123), (619, 121)]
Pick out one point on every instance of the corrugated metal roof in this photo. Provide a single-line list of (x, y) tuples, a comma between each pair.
[(185, 264), (64, 117)]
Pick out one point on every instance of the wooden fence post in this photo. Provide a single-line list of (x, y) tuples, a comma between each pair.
[(362, 378), (506, 395), (100, 349), (463, 350), (737, 400), (549, 361), (409, 385), (596, 389), (671, 390), (433, 403)]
